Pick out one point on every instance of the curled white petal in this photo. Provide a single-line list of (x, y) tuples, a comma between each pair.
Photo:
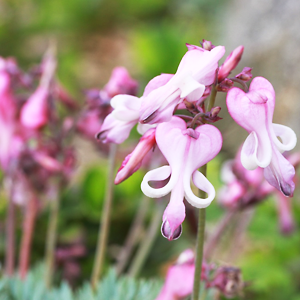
[(191, 89), (287, 136), (142, 128), (202, 183), (249, 154), (158, 174)]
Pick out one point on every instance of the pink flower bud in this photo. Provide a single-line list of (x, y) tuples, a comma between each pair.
[(207, 45), (47, 162), (245, 75), (133, 161), (225, 85), (230, 63), (34, 113)]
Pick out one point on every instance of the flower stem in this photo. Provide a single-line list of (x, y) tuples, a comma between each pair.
[(212, 98), (199, 244), (133, 235), (28, 229), (147, 242), (51, 241), (104, 222)]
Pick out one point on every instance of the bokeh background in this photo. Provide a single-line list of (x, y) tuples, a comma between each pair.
[(148, 38)]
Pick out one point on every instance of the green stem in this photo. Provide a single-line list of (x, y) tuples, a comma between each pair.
[(104, 222), (51, 241), (199, 244), (212, 98), (147, 242)]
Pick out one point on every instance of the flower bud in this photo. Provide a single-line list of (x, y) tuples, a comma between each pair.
[(245, 75), (207, 45), (230, 63), (34, 113), (228, 280), (133, 161), (225, 85)]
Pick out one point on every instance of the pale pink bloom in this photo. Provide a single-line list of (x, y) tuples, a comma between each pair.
[(254, 112), (186, 150), (230, 63), (133, 161), (120, 82), (118, 124), (195, 71)]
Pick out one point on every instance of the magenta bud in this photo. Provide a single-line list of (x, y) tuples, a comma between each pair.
[(245, 75), (230, 63), (207, 45), (167, 232), (225, 85)]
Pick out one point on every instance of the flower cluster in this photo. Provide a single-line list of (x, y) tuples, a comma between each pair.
[(172, 114)]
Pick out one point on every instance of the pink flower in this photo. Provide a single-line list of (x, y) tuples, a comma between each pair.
[(186, 150), (180, 278), (34, 113), (230, 63), (254, 112), (118, 124), (196, 70), (120, 82), (133, 161)]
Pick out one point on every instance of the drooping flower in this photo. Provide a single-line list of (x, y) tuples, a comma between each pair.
[(254, 112), (195, 71), (186, 150)]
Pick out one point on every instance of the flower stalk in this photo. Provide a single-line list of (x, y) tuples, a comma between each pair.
[(104, 222), (199, 244), (51, 241)]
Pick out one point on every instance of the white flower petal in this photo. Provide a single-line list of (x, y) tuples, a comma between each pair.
[(202, 183), (286, 134)]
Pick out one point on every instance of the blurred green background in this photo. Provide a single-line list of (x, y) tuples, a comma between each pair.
[(147, 37)]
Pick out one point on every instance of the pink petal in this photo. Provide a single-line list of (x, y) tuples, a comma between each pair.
[(280, 174), (287, 136), (156, 82)]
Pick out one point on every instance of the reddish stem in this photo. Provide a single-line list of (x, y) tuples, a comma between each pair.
[(28, 227)]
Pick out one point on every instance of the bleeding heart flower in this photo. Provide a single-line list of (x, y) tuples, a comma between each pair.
[(186, 150), (195, 71), (254, 112)]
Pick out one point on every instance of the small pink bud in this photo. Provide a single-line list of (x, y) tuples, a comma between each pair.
[(230, 63), (215, 110), (47, 162), (133, 161), (34, 113), (225, 85), (207, 45), (245, 75)]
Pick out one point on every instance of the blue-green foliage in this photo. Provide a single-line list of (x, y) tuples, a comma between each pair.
[(110, 287)]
